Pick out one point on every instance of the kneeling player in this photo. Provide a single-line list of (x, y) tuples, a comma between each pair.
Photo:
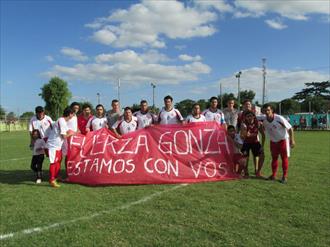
[(239, 159)]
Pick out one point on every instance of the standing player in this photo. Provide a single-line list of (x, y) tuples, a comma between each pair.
[(144, 116), (73, 122), (55, 142), (230, 113), (98, 121), (114, 114), (126, 125), (250, 129), (169, 115), (84, 118), (281, 137), (213, 113), (40, 122), (196, 115)]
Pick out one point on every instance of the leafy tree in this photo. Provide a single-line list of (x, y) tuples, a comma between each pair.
[(318, 104), (11, 116), (225, 98), (319, 89), (2, 112), (56, 94), (135, 107), (185, 106), (289, 106), (203, 104), (27, 115), (247, 94)]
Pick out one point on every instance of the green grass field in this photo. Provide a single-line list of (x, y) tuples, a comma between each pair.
[(247, 212)]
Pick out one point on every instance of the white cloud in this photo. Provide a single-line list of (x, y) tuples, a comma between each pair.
[(9, 82), (133, 68), (74, 54), (219, 5), (187, 58), (149, 22), (280, 84), (276, 24), (49, 58), (291, 9)]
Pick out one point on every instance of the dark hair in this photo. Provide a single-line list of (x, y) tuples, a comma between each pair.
[(213, 98), (128, 108), (39, 109), (143, 101), (248, 113), (114, 101), (67, 111), (230, 99), (247, 100), (268, 105), (86, 105), (196, 105), (230, 127), (74, 104), (36, 130), (168, 97), (99, 105)]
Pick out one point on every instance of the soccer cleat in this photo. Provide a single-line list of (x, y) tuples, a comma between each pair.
[(54, 184), (258, 175), (38, 181), (284, 180), (271, 177)]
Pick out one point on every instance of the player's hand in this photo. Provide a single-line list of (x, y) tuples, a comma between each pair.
[(292, 143), (118, 136)]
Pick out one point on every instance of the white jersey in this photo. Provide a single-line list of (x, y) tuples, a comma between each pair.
[(124, 127), (192, 119), (39, 146), (169, 117), (55, 139), (144, 119), (73, 123), (44, 125), (96, 123), (217, 116), (276, 129), (239, 141)]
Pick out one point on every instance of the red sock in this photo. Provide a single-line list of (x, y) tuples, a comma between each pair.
[(52, 172)]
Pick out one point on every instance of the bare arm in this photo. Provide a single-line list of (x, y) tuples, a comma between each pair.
[(291, 136)]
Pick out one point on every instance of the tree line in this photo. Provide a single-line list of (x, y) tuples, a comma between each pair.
[(315, 97)]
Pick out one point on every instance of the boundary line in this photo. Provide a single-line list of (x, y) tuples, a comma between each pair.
[(63, 223)]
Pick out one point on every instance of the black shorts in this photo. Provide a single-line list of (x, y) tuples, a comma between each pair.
[(255, 148)]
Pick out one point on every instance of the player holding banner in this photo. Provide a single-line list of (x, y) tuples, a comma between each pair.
[(57, 137), (281, 137)]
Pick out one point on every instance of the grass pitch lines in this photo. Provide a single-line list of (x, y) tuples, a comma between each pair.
[(89, 217)]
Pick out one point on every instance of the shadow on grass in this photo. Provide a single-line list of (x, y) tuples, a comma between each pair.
[(24, 177)]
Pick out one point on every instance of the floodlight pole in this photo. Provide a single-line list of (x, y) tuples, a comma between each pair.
[(118, 89), (264, 80), (153, 94), (98, 98), (221, 96), (238, 76)]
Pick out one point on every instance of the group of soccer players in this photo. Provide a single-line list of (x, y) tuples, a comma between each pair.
[(243, 127)]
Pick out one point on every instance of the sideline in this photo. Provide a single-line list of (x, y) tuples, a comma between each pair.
[(16, 159), (59, 224)]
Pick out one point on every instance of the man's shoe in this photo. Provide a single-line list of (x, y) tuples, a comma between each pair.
[(271, 178), (54, 184), (284, 180), (38, 181)]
